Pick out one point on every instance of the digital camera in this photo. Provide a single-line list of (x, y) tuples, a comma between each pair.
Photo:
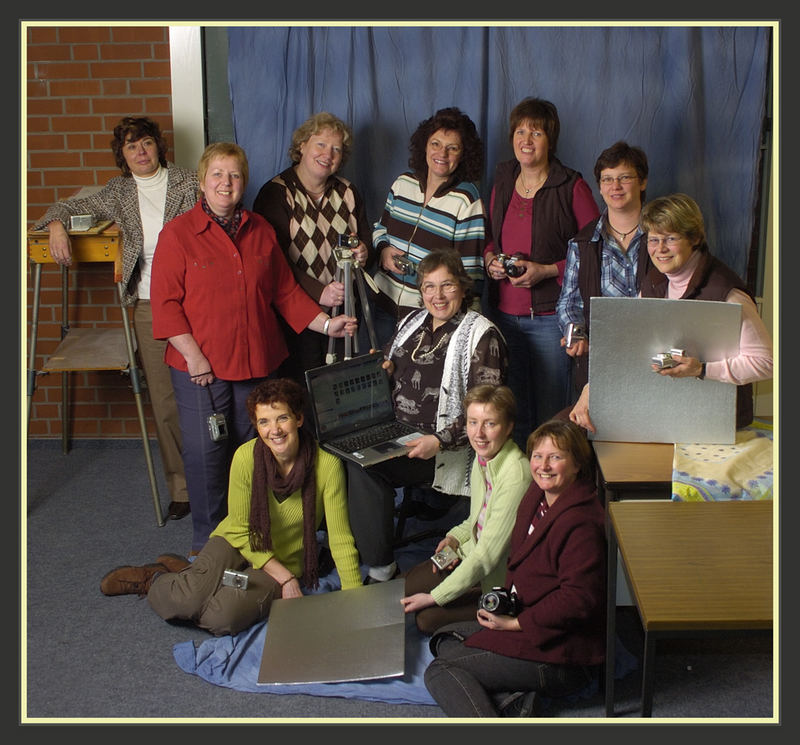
[(665, 359), (404, 265), (232, 578), (500, 601), (574, 332), (510, 265), (217, 427), (348, 241), (444, 558)]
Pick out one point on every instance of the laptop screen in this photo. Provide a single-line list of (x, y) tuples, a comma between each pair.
[(350, 395)]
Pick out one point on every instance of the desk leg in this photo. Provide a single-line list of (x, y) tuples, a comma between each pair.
[(648, 673), (64, 375), (37, 284), (137, 394), (611, 615)]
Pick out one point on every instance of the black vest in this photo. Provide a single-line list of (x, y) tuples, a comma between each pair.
[(553, 225)]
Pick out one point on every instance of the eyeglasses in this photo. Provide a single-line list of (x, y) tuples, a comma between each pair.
[(669, 241), (625, 178), (448, 288)]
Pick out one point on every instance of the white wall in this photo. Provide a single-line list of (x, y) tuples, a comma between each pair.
[(188, 105)]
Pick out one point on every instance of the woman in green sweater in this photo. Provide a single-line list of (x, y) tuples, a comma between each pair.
[(282, 486), (499, 479)]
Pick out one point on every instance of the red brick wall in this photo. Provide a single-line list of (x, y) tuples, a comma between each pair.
[(81, 82)]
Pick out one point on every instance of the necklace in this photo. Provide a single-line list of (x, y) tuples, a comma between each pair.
[(445, 336), (535, 186), (620, 233)]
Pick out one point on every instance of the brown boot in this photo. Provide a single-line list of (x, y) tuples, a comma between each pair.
[(173, 562), (129, 580)]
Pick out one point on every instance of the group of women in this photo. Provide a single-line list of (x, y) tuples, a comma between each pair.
[(235, 304)]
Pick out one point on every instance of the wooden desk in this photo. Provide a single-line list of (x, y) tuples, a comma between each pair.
[(84, 349), (695, 568), (629, 470)]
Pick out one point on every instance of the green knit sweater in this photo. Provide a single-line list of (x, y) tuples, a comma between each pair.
[(484, 560), (286, 518)]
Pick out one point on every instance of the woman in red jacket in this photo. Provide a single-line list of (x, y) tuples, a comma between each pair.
[(553, 636)]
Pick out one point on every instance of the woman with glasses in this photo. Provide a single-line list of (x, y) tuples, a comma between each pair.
[(435, 204), (537, 204), (605, 258), (685, 269), (435, 356)]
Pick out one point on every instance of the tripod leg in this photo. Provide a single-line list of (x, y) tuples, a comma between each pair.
[(330, 357), (366, 309), (348, 307)]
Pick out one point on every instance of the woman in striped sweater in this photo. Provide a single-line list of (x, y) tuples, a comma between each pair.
[(434, 205)]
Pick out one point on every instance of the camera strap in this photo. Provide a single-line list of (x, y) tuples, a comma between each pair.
[(211, 399)]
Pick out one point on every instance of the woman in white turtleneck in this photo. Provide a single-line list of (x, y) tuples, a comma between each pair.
[(148, 194)]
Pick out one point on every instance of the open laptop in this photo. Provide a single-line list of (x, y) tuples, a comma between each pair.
[(353, 413)]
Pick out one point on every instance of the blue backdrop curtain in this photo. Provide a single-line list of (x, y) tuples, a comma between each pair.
[(693, 98)]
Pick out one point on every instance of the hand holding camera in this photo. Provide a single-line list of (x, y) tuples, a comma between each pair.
[(510, 264), (500, 602), (444, 558)]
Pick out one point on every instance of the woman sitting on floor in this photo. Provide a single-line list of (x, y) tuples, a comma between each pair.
[(500, 476), (282, 486), (550, 639)]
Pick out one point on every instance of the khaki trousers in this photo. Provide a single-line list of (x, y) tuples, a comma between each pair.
[(162, 399), (197, 594)]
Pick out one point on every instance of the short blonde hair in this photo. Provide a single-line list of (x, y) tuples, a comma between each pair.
[(675, 213), (498, 396), (223, 150), (314, 125)]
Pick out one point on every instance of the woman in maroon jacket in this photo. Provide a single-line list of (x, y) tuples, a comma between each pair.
[(554, 637)]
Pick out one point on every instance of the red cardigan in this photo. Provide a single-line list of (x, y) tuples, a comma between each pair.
[(225, 294), (559, 573)]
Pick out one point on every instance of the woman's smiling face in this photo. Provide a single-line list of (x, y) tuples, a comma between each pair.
[(552, 468)]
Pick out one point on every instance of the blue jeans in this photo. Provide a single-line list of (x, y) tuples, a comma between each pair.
[(206, 462), (539, 370)]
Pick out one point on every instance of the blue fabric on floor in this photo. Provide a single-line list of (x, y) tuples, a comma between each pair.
[(234, 662)]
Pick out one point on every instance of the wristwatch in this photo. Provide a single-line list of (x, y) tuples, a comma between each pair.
[(702, 374)]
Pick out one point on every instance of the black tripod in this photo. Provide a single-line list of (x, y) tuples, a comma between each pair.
[(346, 267)]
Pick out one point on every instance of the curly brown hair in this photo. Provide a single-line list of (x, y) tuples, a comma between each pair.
[(451, 119)]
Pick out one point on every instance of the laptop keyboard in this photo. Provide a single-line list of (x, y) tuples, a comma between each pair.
[(372, 436)]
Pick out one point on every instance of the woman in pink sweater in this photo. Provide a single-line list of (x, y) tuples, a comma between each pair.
[(685, 269)]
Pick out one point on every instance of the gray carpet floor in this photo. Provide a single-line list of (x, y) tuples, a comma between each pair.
[(91, 658)]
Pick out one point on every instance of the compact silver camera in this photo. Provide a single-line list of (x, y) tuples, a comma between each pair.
[(575, 331), (348, 241), (444, 558), (509, 264), (665, 360), (404, 266), (500, 601), (232, 578), (217, 427)]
